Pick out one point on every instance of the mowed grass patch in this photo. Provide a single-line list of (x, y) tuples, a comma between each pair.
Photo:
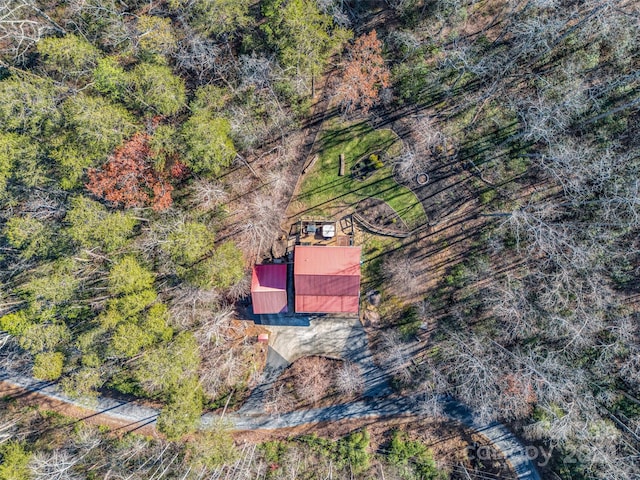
[(323, 188), (375, 249)]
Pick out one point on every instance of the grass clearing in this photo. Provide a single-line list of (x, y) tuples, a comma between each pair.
[(324, 189), (374, 252)]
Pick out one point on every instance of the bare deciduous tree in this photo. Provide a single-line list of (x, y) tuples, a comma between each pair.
[(278, 400), (510, 304), (13, 358), (115, 31), (192, 306), (240, 289), (54, 465), (208, 194), (349, 379), (399, 271), (201, 57), (313, 383), (45, 205), (256, 71), (395, 356), (431, 405), (212, 329), (472, 369), (426, 143), (261, 223), (22, 25)]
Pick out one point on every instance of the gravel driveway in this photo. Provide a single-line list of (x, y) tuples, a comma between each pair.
[(329, 336), (346, 339)]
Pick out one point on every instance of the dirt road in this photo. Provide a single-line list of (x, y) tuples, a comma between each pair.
[(330, 336)]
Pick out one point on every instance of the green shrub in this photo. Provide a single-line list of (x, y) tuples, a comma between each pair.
[(412, 80), (376, 162), (69, 55), (157, 89), (15, 323), (457, 276), (274, 451), (127, 276), (41, 337), (350, 451), (31, 236), (14, 461), (18, 154), (487, 196), (221, 270), (94, 127), (29, 104), (48, 366), (211, 448), (413, 459), (209, 147), (156, 37), (92, 225), (188, 243), (409, 323), (181, 413), (110, 79)]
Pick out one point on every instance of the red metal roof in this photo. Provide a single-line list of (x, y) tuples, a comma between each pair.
[(323, 260), (326, 304), (327, 285), (327, 279), (269, 288)]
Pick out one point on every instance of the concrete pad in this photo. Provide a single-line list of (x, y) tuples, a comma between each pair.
[(328, 336)]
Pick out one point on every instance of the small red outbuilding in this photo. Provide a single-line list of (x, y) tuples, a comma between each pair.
[(327, 279), (269, 288)]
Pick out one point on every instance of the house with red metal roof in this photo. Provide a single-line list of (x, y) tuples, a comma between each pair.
[(326, 279), (269, 288)]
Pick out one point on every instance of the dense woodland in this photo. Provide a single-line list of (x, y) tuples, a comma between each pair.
[(146, 148)]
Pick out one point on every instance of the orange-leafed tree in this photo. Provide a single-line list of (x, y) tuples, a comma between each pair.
[(364, 74), (128, 177)]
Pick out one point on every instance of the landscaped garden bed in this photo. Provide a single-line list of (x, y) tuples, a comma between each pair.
[(367, 165), (380, 214)]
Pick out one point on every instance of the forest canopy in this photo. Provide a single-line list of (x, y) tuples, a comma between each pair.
[(150, 154)]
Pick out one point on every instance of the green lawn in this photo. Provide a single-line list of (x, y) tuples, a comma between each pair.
[(323, 188)]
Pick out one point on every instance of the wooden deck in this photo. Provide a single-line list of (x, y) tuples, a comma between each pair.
[(310, 232)]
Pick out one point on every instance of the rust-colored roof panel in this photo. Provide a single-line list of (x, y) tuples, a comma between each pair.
[(269, 302), (327, 285), (326, 304), (269, 277), (350, 304), (318, 260), (269, 289), (327, 279)]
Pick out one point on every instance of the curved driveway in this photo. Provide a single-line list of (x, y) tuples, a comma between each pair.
[(138, 416), (501, 438), (329, 336)]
